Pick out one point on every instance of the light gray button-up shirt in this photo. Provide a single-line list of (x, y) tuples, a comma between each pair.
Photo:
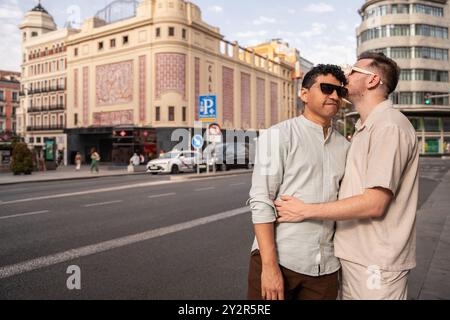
[(295, 159)]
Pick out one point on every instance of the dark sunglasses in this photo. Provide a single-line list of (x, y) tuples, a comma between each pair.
[(328, 89)]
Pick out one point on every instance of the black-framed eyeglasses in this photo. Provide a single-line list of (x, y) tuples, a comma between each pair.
[(328, 89)]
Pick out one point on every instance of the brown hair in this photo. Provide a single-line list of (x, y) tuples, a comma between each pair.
[(389, 68)]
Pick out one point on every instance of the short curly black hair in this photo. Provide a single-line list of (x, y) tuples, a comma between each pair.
[(323, 70)]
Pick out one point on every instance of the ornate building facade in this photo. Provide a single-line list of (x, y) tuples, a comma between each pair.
[(133, 80)]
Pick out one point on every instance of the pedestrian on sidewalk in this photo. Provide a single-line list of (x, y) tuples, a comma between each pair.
[(78, 161), (296, 261), (135, 160), (95, 158), (376, 230)]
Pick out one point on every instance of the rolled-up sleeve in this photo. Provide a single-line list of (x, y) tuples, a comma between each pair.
[(271, 152), (388, 157)]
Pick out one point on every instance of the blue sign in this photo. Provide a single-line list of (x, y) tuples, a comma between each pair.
[(207, 108), (197, 141)]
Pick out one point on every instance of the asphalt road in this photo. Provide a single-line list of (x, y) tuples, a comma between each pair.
[(136, 237)]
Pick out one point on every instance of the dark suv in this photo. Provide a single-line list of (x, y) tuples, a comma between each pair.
[(225, 156)]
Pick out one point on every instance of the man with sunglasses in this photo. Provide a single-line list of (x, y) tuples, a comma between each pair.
[(302, 157), (375, 237)]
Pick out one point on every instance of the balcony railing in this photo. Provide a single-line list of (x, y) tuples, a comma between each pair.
[(55, 107), (46, 128), (46, 89)]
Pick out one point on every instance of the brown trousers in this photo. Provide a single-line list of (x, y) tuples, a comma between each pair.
[(297, 286)]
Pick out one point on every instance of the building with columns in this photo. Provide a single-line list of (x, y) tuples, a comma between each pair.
[(136, 77), (415, 34)]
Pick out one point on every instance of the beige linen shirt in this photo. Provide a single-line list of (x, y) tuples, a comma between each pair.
[(295, 159), (384, 153)]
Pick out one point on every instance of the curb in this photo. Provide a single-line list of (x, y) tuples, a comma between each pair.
[(71, 178), (209, 176)]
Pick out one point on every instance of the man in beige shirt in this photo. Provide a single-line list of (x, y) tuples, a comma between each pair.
[(376, 236)]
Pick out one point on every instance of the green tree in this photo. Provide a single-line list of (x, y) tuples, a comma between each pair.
[(22, 159)]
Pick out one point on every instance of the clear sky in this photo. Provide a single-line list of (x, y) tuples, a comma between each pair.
[(323, 31)]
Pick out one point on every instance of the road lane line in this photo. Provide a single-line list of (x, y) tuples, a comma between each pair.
[(125, 187), (237, 184), (88, 192), (162, 195), (24, 214), (204, 189), (102, 203), (47, 261)]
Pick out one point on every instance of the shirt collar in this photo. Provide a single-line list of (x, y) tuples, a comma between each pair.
[(385, 105), (316, 127)]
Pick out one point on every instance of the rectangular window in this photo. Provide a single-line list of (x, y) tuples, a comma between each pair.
[(429, 10), (113, 43), (14, 96), (158, 114), (446, 124), (100, 45), (75, 119), (400, 30), (158, 32), (171, 113), (432, 125), (171, 31), (184, 114), (184, 32), (401, 53), (125, 40), (431, 53), (406, 75), (2, 96), (431, 31)]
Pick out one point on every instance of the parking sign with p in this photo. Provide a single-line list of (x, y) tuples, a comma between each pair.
[(207, 108)]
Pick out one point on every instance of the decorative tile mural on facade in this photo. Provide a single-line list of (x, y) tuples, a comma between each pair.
[(86, 96), (142, 86), (116, 118), (228, 96), (170, 73), (114, 83), (274, 102), (197, 87), (261, 102), (75, 88), (246, 115)]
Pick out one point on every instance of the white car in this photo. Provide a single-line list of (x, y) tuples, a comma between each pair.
[(175, 162)]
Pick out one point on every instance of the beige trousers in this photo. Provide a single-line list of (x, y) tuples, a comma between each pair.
[(359, 282)]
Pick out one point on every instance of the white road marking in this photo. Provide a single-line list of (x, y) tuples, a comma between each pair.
[(47, 261), (88, 192), (204, 189), (94, 191), (24, 214), (237, 184), (102, 203), (162, 195)]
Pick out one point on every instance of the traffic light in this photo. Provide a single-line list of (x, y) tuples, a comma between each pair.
[(428, 99)]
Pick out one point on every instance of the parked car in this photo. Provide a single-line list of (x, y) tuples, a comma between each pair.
[(175, 162), (226, 156)]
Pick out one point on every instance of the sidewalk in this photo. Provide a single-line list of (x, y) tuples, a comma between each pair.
[(65, 173), (431, 279), (69, 173)]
